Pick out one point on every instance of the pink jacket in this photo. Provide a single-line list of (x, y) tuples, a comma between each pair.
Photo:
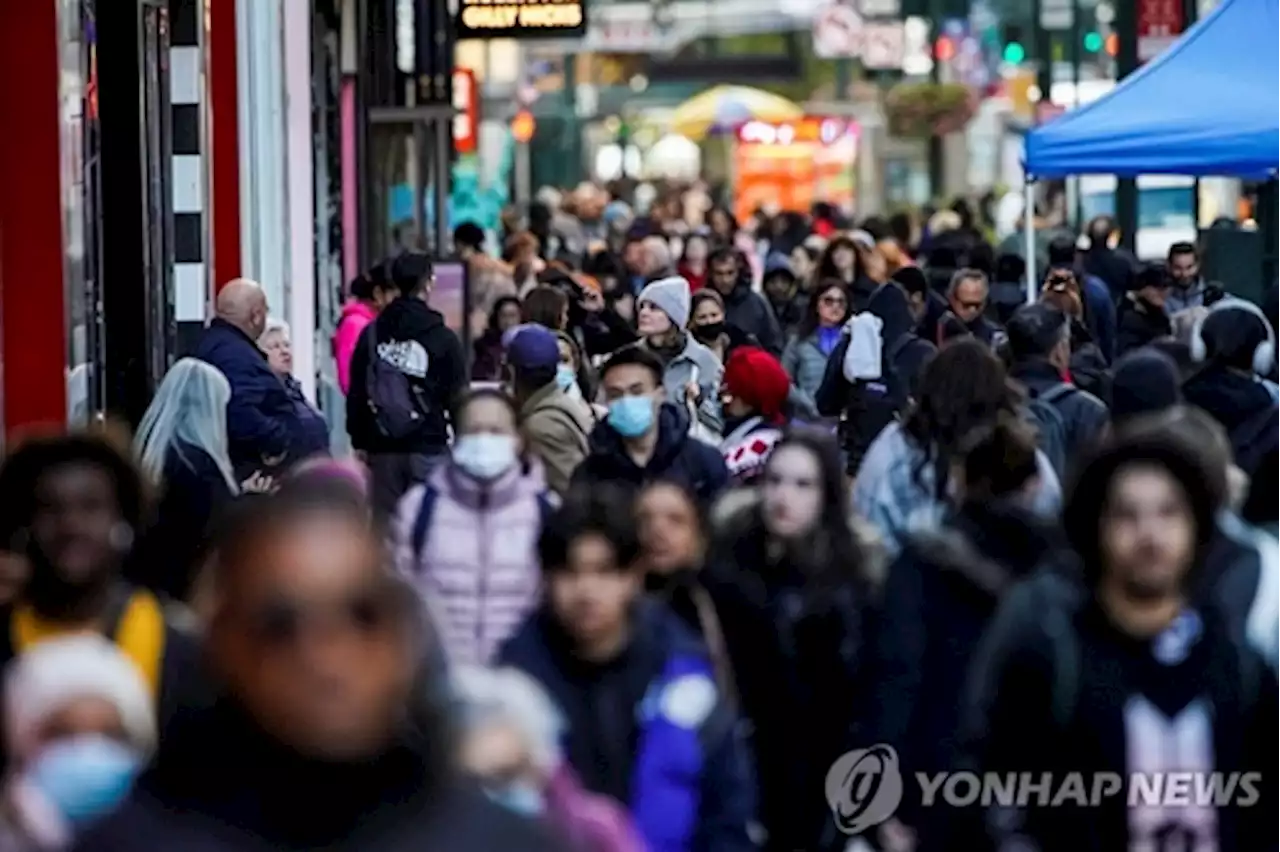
[(355, 316), (591, 823), (478, 569)]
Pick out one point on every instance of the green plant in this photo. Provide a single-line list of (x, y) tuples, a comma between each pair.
[(921, 110)]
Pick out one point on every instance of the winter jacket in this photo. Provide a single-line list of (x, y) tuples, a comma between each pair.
[(695, 359), (220, 785), (193, 494), (478, 567), (1083, 414), (1237, 401), (676, 456), (797, 653), (790, 313), (649, 729), (312, 437), (805, 364), (1099, 313), (355, 316), (262, 422), (938, 598), (751, 313), (411, 337), (556, 430), (895, 489), (747, 447), (1138, 324)]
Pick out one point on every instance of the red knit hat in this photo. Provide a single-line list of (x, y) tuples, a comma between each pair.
[(757, 378)]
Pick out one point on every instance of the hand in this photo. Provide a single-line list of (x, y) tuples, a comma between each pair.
[(896, 837), (258, 484), (592, 300), (692, 392)]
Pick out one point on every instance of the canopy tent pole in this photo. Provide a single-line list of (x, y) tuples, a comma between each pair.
[(1029, 232)]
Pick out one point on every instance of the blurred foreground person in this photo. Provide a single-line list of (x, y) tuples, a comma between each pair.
[(791, 586), (74, 506), (644, 720), (79, 726), (511, 744), (323, 737), (938, 598), (182, 448), (1131, 674)]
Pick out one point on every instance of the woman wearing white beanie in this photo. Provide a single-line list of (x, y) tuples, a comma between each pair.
[(691, 371), (79, 725)]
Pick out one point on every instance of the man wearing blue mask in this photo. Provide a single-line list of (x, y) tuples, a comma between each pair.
[(644, 438), (556, 425)]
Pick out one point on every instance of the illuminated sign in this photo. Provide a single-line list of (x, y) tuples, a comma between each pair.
[(521, 18), (466, 119), (820, 131)]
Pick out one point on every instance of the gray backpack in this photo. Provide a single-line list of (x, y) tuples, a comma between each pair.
[(1053, 436)]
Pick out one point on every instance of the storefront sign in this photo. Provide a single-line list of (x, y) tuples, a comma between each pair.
[(1160, 23), (521, 18), (466, 120)]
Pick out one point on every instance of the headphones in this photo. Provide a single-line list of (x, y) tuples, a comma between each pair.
[(1264, 355)]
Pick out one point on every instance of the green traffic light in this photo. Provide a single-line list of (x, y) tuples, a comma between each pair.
[(1014, 53), (1093, 42)]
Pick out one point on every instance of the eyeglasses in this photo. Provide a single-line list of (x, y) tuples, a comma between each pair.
[(366, 613)]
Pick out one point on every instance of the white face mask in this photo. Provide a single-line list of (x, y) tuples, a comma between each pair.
[(485, 456)]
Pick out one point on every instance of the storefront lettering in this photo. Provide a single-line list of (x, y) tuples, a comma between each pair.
[(500, 16)]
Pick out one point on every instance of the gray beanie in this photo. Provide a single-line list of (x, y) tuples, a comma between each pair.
[(669, 295)]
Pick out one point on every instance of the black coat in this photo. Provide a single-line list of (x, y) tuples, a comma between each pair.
[(1138, 324), (751, 313), (1084, 415)]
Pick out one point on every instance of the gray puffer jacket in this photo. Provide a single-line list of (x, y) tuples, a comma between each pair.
[(695, 360)]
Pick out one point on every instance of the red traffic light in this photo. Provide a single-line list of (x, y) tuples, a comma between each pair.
[(944, 49)]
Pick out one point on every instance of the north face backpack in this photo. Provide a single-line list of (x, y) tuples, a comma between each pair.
[(397, 402)]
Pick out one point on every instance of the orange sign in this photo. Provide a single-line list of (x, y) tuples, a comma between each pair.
[(466, 119), (522, 126)]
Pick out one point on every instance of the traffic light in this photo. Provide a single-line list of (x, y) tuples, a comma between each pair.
[(944, 49), (1093, 42), (1011, 37), (1112, 44)]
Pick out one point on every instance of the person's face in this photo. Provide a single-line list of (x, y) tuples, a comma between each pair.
[(76, 523), (917, 305), (566, 354), (874, 265), (279, 353), (508, 316), (707, 313), (696, 250), (1154, 296), (968, 300), (625, 306), (487, 416), (634, 256), (779, 287), (1147, 532), (842, 258), (383, 296), (719, 222), (591, 595), (14, 571), (724, 275), (792, 493), (832, 307), (669, 529), (800, 262), (315, 640), (1184, 268), (496, 753), (81, 716), (650, 321)]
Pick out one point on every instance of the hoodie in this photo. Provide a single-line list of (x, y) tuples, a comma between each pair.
[(413, 337), (751, 312), (355, 316), (676, 457)]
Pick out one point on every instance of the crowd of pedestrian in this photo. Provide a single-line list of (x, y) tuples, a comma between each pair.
[(704, 509)]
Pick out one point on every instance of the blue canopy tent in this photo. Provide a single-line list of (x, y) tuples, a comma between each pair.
[(1206, 107)]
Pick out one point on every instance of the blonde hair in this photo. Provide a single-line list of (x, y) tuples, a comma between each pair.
[(511, 697), (188, 410)]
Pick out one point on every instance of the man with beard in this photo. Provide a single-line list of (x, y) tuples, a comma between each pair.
[(330, 729), (1127, 670), (74, 507)]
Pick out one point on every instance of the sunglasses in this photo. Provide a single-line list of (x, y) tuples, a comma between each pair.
[(972, 306), (834, 301), (366, 613)]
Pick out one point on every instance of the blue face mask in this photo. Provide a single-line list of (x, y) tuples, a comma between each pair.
[(520, 799), (566, 377), (85, 777), (631, 416)]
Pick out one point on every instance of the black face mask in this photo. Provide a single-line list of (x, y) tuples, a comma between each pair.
[(710, 332)]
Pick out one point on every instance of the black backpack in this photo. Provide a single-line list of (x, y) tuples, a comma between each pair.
[(397, 400), (875, 403), (1053, 436)]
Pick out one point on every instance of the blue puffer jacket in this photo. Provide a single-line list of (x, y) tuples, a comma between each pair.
[(261, 420), (649, 729)]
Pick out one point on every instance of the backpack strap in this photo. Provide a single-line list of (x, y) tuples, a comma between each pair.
[(1057, 393), (1065, 650), (547, 506), (422, 522)]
